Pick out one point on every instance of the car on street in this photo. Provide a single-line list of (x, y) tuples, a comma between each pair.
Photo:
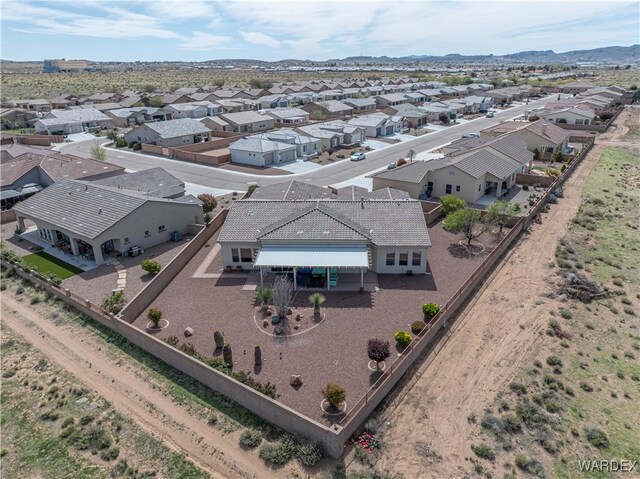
[(358, 156), (391, 166), (490, 114)]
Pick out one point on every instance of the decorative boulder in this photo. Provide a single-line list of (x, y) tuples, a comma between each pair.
[(188, 332), (219, 339), (296, 380)]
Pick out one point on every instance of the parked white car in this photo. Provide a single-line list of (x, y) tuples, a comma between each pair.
[(358, 156)]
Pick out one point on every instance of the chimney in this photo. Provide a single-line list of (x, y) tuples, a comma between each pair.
[(544, 128), (362, 202)]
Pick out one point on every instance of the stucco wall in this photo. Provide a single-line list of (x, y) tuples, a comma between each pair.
[(379, 255)]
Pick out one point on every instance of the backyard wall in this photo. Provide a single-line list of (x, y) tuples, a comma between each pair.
[(522, 179), (333, 438), (7, 216)]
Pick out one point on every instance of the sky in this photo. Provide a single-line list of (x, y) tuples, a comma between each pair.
[(199, 30)]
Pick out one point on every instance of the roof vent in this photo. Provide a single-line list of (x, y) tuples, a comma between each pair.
[(362, 202), (99, 210), (300, 232)]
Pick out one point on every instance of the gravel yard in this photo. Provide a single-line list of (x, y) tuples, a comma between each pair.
[(326, 348)]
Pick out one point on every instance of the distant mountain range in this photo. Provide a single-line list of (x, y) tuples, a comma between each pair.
[(615, 55)]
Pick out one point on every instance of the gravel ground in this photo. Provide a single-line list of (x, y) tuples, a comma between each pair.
[(329, 348)]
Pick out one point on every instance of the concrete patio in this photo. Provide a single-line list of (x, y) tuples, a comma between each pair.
[(81, 262)]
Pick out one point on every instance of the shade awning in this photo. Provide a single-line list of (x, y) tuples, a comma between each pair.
[(314, 256)]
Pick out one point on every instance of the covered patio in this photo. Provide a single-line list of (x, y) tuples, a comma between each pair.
[(320, 267)]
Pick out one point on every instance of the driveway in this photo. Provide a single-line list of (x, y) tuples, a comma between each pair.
[(212, 177)]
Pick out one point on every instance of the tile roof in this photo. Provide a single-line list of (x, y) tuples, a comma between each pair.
[(388, 223), (156, 182), (291, 190), (76, 116), (548, 131), (244, 117), (174, 128), (315, 222), (55, 165), (85, 208), (258, 144), (483, 161)]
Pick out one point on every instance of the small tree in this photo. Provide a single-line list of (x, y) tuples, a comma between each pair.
[(467, 221), (500, 212), (251, 189), (403, 338), (156, 101), (282, 294), (264, 295), (151, 266), (378, 350), (558, 157), (411, 154), (334, 394), (114, 303), (209, 202), (98, 152), (444, 118), (401, 162), (154, 315), (536, 154), (451, 204), (316, 300)]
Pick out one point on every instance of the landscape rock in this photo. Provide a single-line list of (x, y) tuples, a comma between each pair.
[(188, 331), (296, 380)]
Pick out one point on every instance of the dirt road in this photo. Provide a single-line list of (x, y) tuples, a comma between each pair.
[(429, 434), (81, 355)]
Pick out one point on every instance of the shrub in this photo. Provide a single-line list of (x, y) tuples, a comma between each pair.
[(402, 338), (250, 438), (340, 155), (251, 189), (137, 147), (597, 437), (114, 303), (334, 394), (209, 202), (417, 326), (554, 361), (378, 350), (518, 388), (401, 162), (430, 310), (151, 266), (566, 314), (309, 453), (154, 315), (110, 454), (483, 451), (532, 466), (278, 453), (451, 204)]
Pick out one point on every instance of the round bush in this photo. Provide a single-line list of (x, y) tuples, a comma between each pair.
[(250, 438), (334, 394), (402, 338), (417, 326), (151, 266), (309, 453), (430, 310)]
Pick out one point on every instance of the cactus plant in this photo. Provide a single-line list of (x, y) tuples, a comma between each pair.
[(258, 355), (219, 339), (227, 354)]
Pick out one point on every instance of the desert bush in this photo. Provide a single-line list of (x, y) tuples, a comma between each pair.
[(137, 147), (417, 326), (309, 453), (518, 388), (597, 437), (151, 266), (566, 314), (278, 453), (402, 338), (430, 310), (531, 466), (483, 451), (554, 361), (334, 394), (250, 438)]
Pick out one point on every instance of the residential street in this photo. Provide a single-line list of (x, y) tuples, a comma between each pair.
[(211, 177)]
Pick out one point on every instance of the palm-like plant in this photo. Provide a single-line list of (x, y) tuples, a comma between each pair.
[(264, 295), (316, 299)]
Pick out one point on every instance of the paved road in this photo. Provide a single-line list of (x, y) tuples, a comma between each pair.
[(211, 177)]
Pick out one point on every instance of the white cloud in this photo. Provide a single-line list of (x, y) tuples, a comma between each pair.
[(258, 38), (202, 41)]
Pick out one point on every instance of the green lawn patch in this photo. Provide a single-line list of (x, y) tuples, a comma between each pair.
[(45, 263)]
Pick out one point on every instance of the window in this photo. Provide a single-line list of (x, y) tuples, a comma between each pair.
[(404, 259), (479, 187), (147, 234), (246, 255), (235, 255), (391, 259), (127, 241), (161, 228), (458, 188), (429, 186), (447, 189), (416, 258)]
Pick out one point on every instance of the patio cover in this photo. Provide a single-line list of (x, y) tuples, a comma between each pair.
[(313, 256)]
